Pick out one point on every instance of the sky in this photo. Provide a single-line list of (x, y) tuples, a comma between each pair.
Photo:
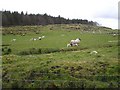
[(105, 12)]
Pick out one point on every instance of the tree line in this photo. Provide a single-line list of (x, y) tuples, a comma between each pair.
[(14, 18)]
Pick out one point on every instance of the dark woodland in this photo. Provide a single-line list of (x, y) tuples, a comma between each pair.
[(14, 18)]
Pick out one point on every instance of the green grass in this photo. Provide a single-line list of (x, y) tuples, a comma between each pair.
[(54, 39), (57, 65)]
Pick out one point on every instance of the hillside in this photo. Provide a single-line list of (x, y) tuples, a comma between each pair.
[(49, 63)]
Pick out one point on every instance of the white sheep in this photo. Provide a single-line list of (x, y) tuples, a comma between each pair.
[(13, 40), (75, 42), (39, 38), (94, 52), (114, 35), (33, 39), (43, 37), (23, 34), (68, 45)]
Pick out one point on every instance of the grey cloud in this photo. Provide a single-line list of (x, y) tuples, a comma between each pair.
[(111, 13)]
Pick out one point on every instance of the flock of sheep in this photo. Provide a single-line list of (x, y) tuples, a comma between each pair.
[(71, 44), (39, 38), (32, 39)]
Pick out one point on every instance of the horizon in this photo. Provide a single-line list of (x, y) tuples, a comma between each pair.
[(81, 9)]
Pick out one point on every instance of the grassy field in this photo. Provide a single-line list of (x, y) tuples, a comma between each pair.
[(48, 63)]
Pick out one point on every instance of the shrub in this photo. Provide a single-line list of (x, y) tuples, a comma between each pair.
[(46, 50), (6, 50), (49, 50), (39, 51), (9, 50), (2, 49), (24, 53), (33, 51)]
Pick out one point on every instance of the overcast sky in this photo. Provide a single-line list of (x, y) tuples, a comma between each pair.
[(105, 12)]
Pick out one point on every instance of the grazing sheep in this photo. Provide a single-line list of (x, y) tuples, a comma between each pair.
[(75, 42), (114, 35), (68, 45), (23, 34), (43, 37), (39, 38), (33, 39), (13, 40), (94, 52)]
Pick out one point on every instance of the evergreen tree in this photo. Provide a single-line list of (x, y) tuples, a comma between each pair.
[(15, 18)]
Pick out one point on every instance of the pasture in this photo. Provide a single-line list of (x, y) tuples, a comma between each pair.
[(49, 63)]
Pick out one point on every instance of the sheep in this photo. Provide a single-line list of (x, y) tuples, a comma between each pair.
[(114, 35), (43, 37), (94, 52), (39, 38), (33, 39), (75, 42), (68, 45), (13, 40), (23, 34)]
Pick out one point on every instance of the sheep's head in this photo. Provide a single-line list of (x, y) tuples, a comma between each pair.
[(79, 38)]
